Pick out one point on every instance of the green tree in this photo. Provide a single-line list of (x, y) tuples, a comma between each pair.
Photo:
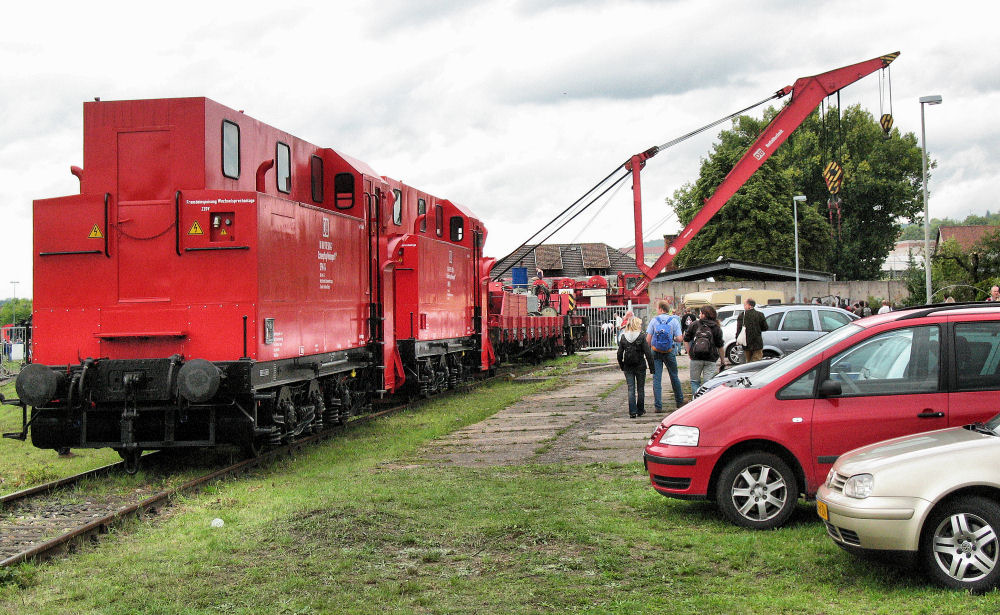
[(756, 224), (14, 310), (965, 275), (881, 185)]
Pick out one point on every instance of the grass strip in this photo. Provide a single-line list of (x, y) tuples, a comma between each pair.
[(350, 527)]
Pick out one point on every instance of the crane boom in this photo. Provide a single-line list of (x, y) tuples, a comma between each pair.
[(807, 93)]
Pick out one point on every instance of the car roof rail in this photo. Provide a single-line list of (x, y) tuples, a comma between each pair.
[(926, 310)]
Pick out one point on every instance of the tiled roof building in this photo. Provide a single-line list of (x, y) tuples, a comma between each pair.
[(569, 260), (966, 236)]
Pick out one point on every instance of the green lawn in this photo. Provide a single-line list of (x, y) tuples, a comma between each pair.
[(359, 525)]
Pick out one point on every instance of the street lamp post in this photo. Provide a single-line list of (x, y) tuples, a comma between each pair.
[(934, 99), (800, 198)]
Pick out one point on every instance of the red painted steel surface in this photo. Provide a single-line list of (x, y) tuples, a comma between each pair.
[(162, 253), (186, 252)]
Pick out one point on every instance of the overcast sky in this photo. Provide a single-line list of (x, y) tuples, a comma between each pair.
[(511, 107)]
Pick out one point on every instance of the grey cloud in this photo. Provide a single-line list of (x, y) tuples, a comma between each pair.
[(532, 7), (625, 75)]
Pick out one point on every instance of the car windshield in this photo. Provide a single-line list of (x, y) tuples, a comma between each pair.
[(800, 356)]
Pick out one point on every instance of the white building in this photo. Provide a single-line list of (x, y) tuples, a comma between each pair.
[(899, 259)]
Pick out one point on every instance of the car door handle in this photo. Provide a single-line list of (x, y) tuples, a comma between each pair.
[(930, 414)]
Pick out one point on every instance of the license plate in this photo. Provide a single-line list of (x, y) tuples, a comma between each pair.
[(822, 511)]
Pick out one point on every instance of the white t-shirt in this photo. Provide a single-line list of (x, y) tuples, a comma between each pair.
[(884, 309)]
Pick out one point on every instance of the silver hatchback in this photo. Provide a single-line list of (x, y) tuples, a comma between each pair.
[(789, 327)]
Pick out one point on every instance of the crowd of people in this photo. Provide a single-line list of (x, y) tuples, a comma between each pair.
[(670, 334)]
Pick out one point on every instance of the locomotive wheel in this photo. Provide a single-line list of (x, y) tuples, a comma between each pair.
[(131, 459)]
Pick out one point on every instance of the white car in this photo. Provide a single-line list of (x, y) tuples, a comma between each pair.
[(932, 497)]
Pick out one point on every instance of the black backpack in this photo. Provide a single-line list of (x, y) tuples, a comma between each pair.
[(702, 344), (633, 354)]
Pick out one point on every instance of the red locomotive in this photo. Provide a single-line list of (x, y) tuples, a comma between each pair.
[(219, 281)]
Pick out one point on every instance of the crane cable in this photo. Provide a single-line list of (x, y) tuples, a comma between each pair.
[(607, 201), (653, 151)]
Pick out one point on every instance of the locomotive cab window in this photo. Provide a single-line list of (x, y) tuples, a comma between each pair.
[(422, 211), (439, 220), (283, 156), (230, 149), (343, 188), (397, 207), (457, 228), (316, 172)]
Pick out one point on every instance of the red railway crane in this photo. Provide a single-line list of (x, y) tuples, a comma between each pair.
[(807, 93)]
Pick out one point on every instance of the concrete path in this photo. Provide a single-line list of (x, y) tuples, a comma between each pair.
[(584, 421)]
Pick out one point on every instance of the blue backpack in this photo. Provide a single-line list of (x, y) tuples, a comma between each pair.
[(663, 339)]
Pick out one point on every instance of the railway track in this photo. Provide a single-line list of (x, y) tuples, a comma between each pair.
[(56, 517)]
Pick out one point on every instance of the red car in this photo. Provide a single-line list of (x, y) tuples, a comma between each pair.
[(755, 445)]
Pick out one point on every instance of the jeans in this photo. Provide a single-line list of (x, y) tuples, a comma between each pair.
[(670, 360), (702, 371), (636, 382)]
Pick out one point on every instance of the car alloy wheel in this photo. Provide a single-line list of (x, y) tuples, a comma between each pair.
[(735, 354), (757, 490), (960, 547)]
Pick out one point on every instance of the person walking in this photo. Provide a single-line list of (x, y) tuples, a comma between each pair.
[(885, 307), (663, 335), (687, 318), (634, 357), (704, 339), (755, 324)]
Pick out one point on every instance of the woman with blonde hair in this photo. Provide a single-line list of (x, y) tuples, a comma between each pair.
[(634, 357)]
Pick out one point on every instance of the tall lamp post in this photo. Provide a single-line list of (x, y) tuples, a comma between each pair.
[(934, 99), (799, 198)]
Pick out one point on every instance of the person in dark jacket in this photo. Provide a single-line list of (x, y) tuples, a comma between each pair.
[(686, 319), (634, 357), (705, 357), (755, 324)]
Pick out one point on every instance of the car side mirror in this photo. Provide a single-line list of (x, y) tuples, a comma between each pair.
[(830, 388)]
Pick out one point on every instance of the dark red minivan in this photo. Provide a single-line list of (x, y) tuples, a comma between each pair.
[(754, 445)]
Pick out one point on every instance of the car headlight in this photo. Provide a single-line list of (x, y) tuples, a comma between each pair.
[(829, 477), (680, 435), (859, 486)]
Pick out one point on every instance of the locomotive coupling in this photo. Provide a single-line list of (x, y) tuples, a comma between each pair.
[(37, 384)]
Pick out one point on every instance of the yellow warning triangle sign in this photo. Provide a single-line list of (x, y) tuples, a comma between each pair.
[(95, 233), (196, 229)]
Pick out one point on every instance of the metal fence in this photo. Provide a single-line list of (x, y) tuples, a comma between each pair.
[(14, 352), (602, 324)]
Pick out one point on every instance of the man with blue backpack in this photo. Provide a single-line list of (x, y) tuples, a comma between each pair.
[(663, 334)]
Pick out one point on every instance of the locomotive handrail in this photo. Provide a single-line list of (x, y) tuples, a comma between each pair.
[(177, 222), (216, 248), (107, 199), (64, 253), (141, 334)]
